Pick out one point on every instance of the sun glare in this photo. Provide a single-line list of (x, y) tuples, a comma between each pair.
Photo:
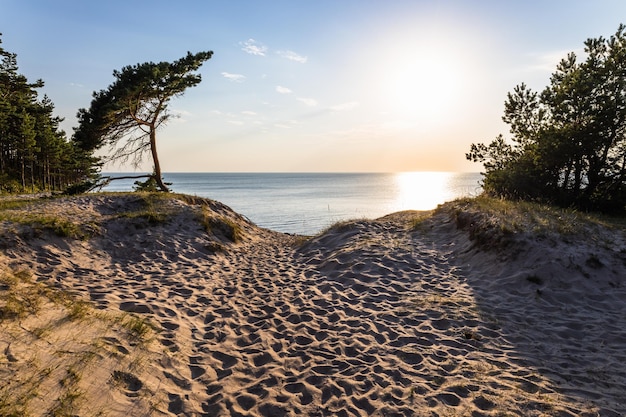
[(422, 89), (421, 80)]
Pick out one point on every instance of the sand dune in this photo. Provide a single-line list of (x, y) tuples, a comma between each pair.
[(194, 311)]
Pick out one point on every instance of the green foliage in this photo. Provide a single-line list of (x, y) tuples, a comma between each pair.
[(569, 142), (60, 226), (34, 152), (128, 113), (80, 187), (150, 185)]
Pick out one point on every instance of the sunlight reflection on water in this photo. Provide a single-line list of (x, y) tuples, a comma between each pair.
[(422, 190), (306, 203)]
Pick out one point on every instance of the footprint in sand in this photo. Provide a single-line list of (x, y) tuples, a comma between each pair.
[(133, 307), (129, 384), (170, 325), (117, 344), (262, 359), (196, 371), (246, 401), (227, 360)]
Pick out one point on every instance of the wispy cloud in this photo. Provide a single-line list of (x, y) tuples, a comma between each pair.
[(283, 90), (345, 106), (222, 114), (292, 56), (308, 101), (253, 47), (238, 78), (249, 113)]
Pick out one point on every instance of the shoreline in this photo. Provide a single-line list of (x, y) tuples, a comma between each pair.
[(176, 305)]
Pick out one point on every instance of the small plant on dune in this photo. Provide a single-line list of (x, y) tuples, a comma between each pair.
[(20, 297), (15, 398), (61, 227), (12, 407), (68, 401), (419, 221), (150, 185), (342, 226), (149, 209), (78, 310), (140, 328), (222, 226)]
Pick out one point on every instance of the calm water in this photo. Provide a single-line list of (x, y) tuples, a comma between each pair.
[(308, 203)]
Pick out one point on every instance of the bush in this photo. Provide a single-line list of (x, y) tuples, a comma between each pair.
[(80, 188)]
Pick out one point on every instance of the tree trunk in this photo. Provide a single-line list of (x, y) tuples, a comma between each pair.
[(155, 159)]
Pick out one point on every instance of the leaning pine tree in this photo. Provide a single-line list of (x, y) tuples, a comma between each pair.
[(128, 113)]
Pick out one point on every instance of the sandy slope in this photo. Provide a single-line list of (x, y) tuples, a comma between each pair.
[(371, 318)]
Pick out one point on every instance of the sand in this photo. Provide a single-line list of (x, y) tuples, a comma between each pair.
[(387, 317)]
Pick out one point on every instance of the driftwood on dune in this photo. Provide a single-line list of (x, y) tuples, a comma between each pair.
[(104, 181)]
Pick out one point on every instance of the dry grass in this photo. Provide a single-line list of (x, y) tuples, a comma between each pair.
[(40, 366), (31, 212), (523, 216), (221, 226), (492, 223)]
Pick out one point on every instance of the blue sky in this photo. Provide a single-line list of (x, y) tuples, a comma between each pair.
[(326, 85)]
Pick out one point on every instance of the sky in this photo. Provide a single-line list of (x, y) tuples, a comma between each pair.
[(310, 86)]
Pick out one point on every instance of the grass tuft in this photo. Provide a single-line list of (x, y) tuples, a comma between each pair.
[(150, 209), (139, 327), (222, 227), (19, 296)]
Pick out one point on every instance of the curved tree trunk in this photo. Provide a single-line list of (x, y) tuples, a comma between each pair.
[(155, 159)]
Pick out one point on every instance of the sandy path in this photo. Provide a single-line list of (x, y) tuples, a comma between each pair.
[(371, 318)]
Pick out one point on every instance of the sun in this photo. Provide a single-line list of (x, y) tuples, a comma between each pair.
[(421, 89), (422, 83)]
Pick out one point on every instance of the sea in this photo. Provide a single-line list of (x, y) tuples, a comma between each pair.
[(307, 203)]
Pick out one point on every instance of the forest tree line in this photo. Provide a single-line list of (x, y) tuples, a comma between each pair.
[(35, 154)]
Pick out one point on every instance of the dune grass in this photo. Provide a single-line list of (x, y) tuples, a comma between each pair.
[(20, 296), (29, 212), (30, 314), (58, 225), (493, 222), (221, 226)]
